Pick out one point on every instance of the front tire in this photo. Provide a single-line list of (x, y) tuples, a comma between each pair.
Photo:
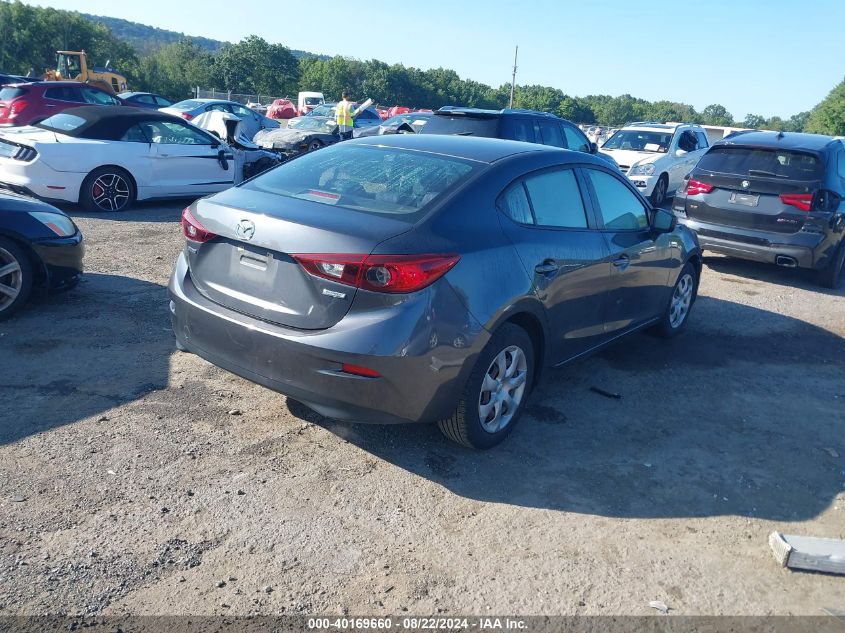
[(107, 189), (495, 394), (16, 277), (676, 314), (658, 195), (314, 145), (832, 275)]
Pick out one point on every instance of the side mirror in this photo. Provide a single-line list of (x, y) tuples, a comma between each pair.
[(663, 221), (680, 152), (594, 148)]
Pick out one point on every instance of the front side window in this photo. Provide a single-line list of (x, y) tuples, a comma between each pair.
[(97, 97), (134, 135), (575, 140), (620, 208), (702, 140), (242, 112), (173, 133)]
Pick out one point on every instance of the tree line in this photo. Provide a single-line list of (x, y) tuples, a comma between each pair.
[(30, 36)]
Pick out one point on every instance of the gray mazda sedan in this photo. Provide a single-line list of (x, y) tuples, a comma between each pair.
[(426, 278)]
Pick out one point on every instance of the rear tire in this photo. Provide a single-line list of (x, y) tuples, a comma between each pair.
[(676, 314), (496, 391), (16, 277), (107, 189), (658, 195), (832, 275)]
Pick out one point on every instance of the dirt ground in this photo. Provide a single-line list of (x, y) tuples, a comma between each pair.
[(138, 479)]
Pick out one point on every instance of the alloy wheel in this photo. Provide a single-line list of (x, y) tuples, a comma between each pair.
[(660, 192), (502, 389), (681, 300), (110, 192), (11, 279)]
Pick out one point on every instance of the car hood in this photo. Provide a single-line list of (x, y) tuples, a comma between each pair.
[(630, 157)]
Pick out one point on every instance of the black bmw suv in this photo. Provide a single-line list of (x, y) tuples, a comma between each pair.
[(772, 197), (513, 124)]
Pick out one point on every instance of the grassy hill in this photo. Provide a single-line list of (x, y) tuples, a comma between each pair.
[(147, 39)]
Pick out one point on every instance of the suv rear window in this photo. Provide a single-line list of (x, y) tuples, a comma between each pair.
[(462, 125), (371, 179), (7, 94), (755, 161)]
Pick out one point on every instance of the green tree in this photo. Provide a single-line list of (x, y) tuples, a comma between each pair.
[(754, 121), (716, 114), (177, 70), (828, 117), (254, 66)]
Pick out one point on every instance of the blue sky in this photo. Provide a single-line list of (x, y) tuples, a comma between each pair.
[(773, 57)]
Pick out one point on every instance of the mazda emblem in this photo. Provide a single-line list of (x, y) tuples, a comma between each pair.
[(745, 184), (246, 229)]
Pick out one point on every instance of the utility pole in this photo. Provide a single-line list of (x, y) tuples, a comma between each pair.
[(513, 80)]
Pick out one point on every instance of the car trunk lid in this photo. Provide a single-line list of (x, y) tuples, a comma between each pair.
[(248, 267), (754, 188)]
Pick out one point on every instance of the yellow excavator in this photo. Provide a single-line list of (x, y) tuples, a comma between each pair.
[(73, 66)]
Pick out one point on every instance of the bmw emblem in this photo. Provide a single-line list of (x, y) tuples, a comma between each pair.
[(245, 229), (745, 184)]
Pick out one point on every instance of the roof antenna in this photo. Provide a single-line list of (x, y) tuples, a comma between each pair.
[(780, 134)]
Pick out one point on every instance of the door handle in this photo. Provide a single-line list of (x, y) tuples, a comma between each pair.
[(622, 262), (546, 268)]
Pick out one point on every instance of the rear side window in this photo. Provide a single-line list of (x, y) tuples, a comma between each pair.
[(63, 94), (514, 203), (768, 163), (551, 133), (375, 180), (519, 128), (462, 125), (7, 94), (62, 122), (550, 199), (620, 209)]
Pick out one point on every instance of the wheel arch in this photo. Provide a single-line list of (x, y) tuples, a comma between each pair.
[(38, 266)]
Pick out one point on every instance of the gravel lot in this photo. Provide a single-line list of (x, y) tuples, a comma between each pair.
[(138, 479)]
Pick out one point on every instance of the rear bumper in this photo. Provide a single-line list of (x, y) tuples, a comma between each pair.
[(421, 377), (37, 179), (808, 249)]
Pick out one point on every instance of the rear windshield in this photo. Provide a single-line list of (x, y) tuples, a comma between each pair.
[(462, 125), (62, 122), (187, 105), (768, 163), (378, 180), (7, 94)]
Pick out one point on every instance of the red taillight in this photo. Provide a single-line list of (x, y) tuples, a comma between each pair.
[(193, 230), (187, 116), (17, 107), (357, 370), (381, 273), (802, 201), (695, 187)]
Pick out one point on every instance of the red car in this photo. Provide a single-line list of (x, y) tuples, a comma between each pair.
[(281, 109), (28, 103), (382, 112), (395, 110)]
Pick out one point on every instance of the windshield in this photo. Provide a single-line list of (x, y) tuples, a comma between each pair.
[(323, 110), (62, 122), (313, 100), (317, 124), (375, 180), (184, 106), (640, 141)]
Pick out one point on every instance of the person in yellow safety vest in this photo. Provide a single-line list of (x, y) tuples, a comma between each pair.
[(344, 117)]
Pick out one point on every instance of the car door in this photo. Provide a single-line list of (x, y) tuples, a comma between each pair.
[(685, 153), (185, 161), (546, 218), (641, 259)]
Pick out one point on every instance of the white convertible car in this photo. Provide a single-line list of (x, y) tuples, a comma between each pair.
[(107, 157)]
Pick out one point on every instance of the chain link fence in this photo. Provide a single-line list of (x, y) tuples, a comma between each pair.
[(240, 98)]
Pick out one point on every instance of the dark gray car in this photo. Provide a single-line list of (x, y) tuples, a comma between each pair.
[(418, 278)]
